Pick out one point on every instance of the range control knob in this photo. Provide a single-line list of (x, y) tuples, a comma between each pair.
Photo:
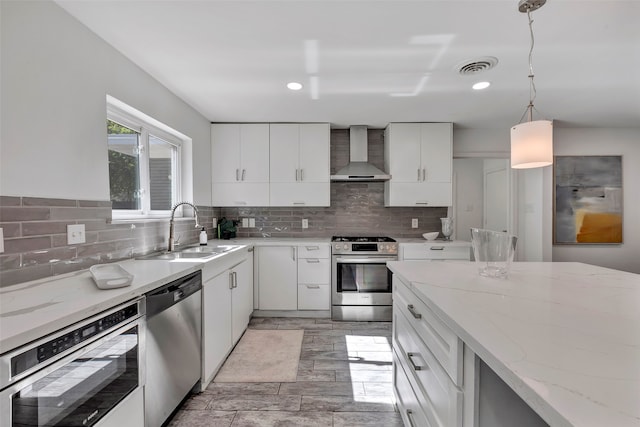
[(337, 246), (345, 247)]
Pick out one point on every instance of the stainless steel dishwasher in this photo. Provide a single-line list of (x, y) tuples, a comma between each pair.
[(173, 356)]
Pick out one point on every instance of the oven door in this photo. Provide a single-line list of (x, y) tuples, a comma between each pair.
[(361, 280), (81, 388)]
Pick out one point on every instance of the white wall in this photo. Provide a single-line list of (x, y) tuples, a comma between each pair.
[(625, 142), (55, 75), (469, 195)]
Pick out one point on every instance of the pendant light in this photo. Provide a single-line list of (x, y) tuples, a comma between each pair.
[(531, 141)]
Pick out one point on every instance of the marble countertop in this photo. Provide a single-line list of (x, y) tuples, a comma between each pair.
[(31, 310), (564, 336)]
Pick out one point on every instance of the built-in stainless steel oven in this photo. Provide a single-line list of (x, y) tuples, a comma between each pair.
[(80, 376), (361, 281)]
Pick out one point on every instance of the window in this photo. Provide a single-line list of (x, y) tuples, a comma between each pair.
[(144, 165)]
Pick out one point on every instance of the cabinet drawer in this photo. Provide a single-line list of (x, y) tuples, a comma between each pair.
[(314, 271), (314, 297), (440, 399), (443, 343), (314, 251), (441, 250), (408, 406)]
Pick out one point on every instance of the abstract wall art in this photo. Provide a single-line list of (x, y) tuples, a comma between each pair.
[(587, 200)]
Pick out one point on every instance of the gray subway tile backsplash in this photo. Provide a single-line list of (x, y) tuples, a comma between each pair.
[(36, 237)]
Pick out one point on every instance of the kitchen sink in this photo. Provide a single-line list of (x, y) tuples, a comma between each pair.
[(189, 253)]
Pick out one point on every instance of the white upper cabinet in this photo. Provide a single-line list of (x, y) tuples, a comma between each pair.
[(240, 164), (419, 158), (299, 164)]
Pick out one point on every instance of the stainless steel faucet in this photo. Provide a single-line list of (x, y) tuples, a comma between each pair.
[(173, 212)]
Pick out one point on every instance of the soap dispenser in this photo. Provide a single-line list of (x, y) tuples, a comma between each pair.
[(203, 237)]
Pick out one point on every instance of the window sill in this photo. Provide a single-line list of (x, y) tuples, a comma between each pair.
[(148, 220)]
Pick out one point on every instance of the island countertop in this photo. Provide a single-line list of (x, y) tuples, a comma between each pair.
[(564, 336)]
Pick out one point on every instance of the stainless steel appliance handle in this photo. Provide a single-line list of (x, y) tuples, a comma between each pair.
[(410, 418), (413, 311), (365, 260)]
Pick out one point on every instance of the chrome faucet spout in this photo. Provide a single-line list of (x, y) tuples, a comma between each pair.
[(170, 247)]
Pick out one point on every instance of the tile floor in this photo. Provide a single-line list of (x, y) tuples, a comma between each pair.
[(344, 380)]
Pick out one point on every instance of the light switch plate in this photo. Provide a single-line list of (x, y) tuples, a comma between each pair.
[(1, 240), (414, 223), (75, 234), (245, 222), (252, 222), (305, 223)]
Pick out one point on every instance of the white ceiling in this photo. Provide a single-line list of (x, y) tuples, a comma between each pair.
[(377, 62)]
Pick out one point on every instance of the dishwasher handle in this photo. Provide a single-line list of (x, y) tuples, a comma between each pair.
[(172, 293)]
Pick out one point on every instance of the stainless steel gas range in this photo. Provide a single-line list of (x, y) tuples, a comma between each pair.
[(360, 280)]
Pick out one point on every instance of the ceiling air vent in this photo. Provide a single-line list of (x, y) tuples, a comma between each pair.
[(477, 65)]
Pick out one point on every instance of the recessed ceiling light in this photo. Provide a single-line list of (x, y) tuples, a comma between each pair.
[(294, 85), (481, 85)]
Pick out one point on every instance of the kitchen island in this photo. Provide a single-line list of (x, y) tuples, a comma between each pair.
[(564, 338)]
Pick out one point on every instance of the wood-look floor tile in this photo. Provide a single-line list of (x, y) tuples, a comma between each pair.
[(198, 401), (314, 375), (346, 365), (202, 418), (283, 419), (363, 346), (378, 389), (318, 388), (346, 404), (365, 376), (317, 347), (323, 355), (246, 402), (367, 419), (243, 388)]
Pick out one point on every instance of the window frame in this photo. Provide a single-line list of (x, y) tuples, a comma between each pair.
[(147, 126)]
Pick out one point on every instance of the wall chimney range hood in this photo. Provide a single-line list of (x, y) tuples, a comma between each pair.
[(358, 169)]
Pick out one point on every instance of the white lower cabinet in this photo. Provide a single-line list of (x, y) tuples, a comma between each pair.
[(428, 364), (227, 304), (293, 277), (276, 278)]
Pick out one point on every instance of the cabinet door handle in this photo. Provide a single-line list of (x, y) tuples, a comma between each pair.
[(424, 174), (313, 261), (243, 173), (299, 203), (413, 312), (313, 286), (413, 365), (418, 174), (436, 248), (293, 253), (237, 174), (231, 280), (422, 203), (313, 248), (410, 418), (301, 174), (235, 279), (297, 174)]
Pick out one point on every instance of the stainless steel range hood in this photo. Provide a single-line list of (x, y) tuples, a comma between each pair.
[(358, 169)]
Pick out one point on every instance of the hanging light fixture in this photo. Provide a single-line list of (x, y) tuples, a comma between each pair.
[(531, 141)]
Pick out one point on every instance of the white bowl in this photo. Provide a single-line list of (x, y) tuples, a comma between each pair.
[(431, 236)]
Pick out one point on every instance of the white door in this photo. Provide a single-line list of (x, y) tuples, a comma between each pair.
[(314, 152), (216, 323), (496, 194), (225, 152), (404, 152), (277, 278), (242, 299), (436, 152), (283, 153), (254, 152)]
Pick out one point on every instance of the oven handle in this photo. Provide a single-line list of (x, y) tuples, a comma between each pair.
[(365, 260)]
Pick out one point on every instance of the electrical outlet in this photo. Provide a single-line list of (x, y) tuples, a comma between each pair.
[(305, 223), (215, 223), (1, 241), (252, 222), (245, 222), (414, 223), (75, 234)]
